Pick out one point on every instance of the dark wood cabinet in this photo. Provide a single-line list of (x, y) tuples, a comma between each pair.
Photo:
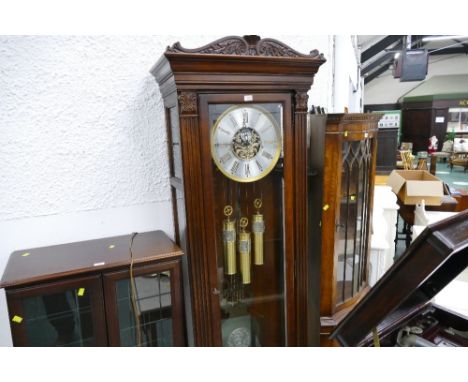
[(418, 126), (97, 293), (236, 112), (340, 205), (387, 146), (423, 117), (398, 310), (387, 140)]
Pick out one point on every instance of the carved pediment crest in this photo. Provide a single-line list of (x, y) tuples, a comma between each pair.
[(246, 46)]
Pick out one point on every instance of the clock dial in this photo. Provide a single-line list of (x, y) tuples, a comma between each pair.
[(245, 143)]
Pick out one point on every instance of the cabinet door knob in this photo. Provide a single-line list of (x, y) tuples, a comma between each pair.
[(216, 291)]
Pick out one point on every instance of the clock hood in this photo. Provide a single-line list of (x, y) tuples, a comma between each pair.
[(276, 65)]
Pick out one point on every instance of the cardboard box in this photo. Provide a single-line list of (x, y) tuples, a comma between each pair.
[(412, 186)]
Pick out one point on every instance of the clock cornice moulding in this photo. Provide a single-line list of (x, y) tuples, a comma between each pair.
[(236, 63)]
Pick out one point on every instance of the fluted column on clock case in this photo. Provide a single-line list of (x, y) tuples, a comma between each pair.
[(300, 210), (193, 189)]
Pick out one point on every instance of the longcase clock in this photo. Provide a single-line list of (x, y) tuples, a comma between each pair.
[(236, 116)]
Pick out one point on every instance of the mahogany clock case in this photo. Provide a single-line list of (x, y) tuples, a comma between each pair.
[(265, 303), (401, 298)]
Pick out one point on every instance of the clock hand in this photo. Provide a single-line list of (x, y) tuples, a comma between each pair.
[(245, 118)]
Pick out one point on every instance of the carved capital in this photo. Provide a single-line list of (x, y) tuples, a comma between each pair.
[(301, 101), (188, 102)]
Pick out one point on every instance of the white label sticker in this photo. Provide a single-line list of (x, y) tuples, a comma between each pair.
[(248, 98), (440, 120)]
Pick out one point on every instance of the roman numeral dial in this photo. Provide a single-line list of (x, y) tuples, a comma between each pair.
[(246, 142)]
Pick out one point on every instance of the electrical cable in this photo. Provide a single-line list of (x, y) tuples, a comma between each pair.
[(133, 297)]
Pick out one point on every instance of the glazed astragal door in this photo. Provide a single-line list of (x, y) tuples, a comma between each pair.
[(352, 229)]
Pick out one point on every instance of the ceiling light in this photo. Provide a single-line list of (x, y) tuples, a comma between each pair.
[(441, 38)]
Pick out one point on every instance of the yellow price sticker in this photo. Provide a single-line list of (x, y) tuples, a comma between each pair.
[(353, 197), (81, 292), (345, 134), (326, 207), (17, 319)]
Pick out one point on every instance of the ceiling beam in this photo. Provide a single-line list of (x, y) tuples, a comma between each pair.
[(463, 43), (375, 74), (379, 61), (439, 52), (379, 46), (417, 42)]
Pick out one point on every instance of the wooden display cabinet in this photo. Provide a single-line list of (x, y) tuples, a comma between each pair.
[(81, 294), (236, 114), (340, 206)]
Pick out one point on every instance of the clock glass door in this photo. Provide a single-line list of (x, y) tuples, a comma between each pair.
[(246, 143)]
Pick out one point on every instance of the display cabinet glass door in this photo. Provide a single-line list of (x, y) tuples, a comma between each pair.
[(68, 313), (352, 245), (249, 222), (147, 306)]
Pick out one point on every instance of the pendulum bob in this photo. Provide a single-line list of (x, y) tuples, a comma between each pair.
[(258, 228), (229, 239), (244, 254)]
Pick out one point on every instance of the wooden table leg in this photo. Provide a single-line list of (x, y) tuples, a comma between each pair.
[(432, 169)]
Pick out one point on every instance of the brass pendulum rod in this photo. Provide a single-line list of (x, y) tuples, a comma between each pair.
[(258, 228)]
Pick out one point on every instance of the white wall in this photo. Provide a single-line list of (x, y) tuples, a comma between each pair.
[(338, 83), (82, 139), (347, 89), (386, 89)]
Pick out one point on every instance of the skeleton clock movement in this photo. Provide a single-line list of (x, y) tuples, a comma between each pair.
[(246, 143), (236, 119)]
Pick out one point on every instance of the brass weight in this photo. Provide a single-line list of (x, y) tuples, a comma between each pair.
[(244, 251), (258, 228), (229, 239)]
